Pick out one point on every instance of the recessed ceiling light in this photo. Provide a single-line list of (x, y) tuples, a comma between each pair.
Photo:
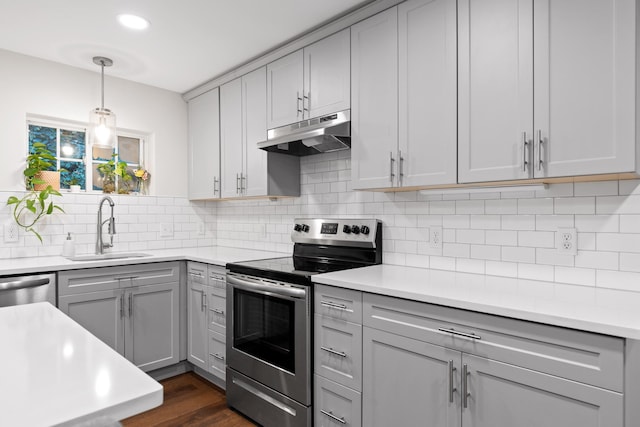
[(133, 21)]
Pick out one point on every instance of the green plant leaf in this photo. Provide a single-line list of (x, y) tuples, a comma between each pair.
[(12, 200), (50, 208)]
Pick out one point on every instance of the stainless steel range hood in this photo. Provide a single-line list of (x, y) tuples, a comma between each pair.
[(320, 135)]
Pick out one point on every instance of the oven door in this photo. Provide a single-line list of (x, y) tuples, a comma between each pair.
[(269, 334)]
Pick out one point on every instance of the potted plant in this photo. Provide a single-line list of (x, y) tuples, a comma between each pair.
[(37, 203), (112, 170), (74, 185)]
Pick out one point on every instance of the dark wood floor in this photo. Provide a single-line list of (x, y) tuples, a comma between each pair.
[(190, 401)]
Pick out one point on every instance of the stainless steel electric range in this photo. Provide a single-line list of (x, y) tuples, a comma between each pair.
[(269, 332)]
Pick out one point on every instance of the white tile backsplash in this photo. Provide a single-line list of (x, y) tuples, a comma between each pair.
[(503, 234)]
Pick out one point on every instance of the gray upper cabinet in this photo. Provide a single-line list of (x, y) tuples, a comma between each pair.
[(204, 146), (309, 82), (404, 112), (374, 97), (574, 61), (248, 171)]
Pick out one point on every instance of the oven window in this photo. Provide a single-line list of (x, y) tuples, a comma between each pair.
[(263, 326)]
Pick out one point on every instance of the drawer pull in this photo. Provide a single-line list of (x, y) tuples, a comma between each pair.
[(336, 306), (217, 356), (465, 386), (198, 275), (125, 277), (332, 351), (218, 311), (333, 417), (460, 334)]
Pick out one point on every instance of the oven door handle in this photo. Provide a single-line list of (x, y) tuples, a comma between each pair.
[(265, 288)]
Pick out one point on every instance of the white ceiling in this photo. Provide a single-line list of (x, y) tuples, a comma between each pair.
[(188, 43)]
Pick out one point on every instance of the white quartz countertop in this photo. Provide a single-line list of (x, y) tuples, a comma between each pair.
[(54, 372), (599, 310), (217, 255)]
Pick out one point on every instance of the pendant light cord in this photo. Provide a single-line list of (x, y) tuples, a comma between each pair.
[(102, 73)]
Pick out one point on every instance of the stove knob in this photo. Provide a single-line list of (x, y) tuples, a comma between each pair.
[(355, 229), (305, 228), (364, 229), (297, 227), (346, 229)]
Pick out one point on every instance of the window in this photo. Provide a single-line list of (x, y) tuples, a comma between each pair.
[(69, 143)]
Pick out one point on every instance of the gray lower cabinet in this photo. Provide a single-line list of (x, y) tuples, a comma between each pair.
[(206, 342), (335, 404), (406, 382), (133, 309)]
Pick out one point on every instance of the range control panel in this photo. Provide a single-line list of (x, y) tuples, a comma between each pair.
[(345, 232)]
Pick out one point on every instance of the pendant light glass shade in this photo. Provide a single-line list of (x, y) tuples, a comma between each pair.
[(102, 121)]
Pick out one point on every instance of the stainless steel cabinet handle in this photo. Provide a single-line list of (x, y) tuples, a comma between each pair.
[(452, 388), (243, 183), (299, 111), (333, 417), (540, 142), (391, 160), (465, 386), (219, 357), (525, 151), (198, 274), (400, 168), (125, 277), (218, 311), (237, 183), (332, 351), (130, 305), (215, 185), (335, 306), (202, 306), (461, 334)]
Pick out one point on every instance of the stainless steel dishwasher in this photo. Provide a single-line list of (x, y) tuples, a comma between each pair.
[(16, 290)]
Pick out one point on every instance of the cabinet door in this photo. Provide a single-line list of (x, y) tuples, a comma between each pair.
[(335, 405), (584, 79), (507, 395), (101, 313), (374, 97), (495, 89), (197, 325), (427, 92), (152, 326), (231, 138), (338, 351), (406, 382), (284, 90), (204, 146), (254, 122), (217, 355), (327, 75)]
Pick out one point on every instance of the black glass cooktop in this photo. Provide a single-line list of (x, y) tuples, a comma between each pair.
[(291, 269)]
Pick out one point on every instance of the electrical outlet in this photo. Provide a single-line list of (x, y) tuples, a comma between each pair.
[(567, 241), (10, 233), (166, 229), (435, 237)]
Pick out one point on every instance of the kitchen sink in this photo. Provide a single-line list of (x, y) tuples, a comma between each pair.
[(111, 255)]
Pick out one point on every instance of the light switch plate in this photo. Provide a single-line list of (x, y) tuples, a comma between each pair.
[(166, 229)]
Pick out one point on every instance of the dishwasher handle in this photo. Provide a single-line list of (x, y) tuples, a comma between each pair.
[(23, 284)]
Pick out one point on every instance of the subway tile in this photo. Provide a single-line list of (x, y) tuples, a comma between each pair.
[(501, 207), (576, 276), (597, 223), (535, 206), (443, 263), (598, 260), (486, 252), (618, 242), (475, 266), (517, 254), (629, 262), (553, 257), (623, 280), (470, 236), (485, 222), (598, 188), (575, 205), (470, 207), (552, 222), (504, 269), (518, 222), (629, 186), (536, 239), (442, 207), (502, 238), (629, 223), (457, 250), (414, 260), (455, 221), (556, 190)]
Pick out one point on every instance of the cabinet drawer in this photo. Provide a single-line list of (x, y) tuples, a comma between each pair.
[(217, 279), (217, 354), (106, 278), (580, 356), (335, 404), (338, 351), (344, 304), (217, 311), (197, 273)]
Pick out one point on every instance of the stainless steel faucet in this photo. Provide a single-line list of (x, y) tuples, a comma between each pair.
[(100, 245)]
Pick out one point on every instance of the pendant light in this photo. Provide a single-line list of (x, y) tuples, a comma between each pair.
[(102, 121)]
